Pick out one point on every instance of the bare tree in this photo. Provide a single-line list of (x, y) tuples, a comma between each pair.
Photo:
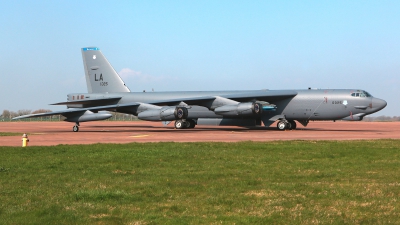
[(41, 111), (6, 114), (13, 114), (22, 112)]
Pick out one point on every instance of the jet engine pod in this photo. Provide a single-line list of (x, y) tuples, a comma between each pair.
[(164, 114), (241, 109), (88, 116), (181, 113)]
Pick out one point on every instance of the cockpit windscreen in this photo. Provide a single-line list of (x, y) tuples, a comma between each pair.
[(360, 93)]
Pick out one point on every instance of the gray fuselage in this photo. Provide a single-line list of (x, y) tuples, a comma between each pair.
[(309, 104)]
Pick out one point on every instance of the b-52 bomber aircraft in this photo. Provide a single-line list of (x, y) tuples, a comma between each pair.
[(108, 92)]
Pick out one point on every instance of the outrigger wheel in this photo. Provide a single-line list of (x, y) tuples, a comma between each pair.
[(76, 127)]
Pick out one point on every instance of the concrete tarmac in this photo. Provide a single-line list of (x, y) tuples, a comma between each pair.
[(55, 133)]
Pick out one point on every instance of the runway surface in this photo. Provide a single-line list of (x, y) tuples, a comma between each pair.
[(55, 133)]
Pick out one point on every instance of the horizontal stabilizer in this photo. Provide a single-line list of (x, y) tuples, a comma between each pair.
[(72, 112), (93, 102)]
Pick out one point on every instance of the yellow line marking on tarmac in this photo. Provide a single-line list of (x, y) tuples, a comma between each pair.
[(139, 136)]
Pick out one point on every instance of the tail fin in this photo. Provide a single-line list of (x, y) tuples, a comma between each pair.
[(100, 75)]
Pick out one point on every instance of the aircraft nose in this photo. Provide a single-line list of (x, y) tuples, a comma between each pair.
[(378, 104)]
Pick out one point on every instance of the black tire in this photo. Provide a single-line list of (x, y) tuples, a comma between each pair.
[(190, 123), (75, 128), (293, 124), (288, 125), (186, 124), (179, 124), (281, 125)]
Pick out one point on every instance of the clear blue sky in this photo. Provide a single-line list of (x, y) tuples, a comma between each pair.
[(200, 45)]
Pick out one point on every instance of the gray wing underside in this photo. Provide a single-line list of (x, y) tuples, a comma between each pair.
[(240, 97), (268, 96), (71, 112)]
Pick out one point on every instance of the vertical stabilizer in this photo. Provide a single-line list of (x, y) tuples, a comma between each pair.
[(100, 75)]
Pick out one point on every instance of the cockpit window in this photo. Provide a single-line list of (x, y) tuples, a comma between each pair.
[(361, 94)]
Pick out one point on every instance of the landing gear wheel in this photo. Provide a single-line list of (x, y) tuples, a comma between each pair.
[(179, 124), (186, 124), (190, 123), (75, 128), (288, 125), (281, 125), (293, 124)]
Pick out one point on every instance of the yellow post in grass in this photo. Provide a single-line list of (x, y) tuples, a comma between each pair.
[(25, 140)]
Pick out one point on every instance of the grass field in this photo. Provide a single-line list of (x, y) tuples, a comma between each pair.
[(291, 182), (9, 134)]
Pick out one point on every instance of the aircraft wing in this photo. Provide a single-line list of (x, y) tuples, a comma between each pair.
[(264, 95), (72, 112), (189, 101)]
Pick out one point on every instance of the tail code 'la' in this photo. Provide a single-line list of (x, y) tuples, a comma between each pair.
[(100, 75)]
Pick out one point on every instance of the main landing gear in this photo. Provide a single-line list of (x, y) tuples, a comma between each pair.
[(76, 127), (185, 124), (286, 125)]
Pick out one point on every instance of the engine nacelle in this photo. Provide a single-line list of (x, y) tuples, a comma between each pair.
[(164, 114), (241, 109), (89, 116)]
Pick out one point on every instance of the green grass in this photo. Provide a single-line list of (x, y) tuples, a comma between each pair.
[(293, 182), (9, 134)]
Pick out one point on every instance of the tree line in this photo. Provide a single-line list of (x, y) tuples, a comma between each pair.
[(381, 118), (8, 115)]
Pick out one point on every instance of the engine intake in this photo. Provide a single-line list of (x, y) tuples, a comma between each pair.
[(164, 114), (241, 109)]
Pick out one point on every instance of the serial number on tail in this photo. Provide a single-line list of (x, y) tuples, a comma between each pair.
[(103, 83)]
